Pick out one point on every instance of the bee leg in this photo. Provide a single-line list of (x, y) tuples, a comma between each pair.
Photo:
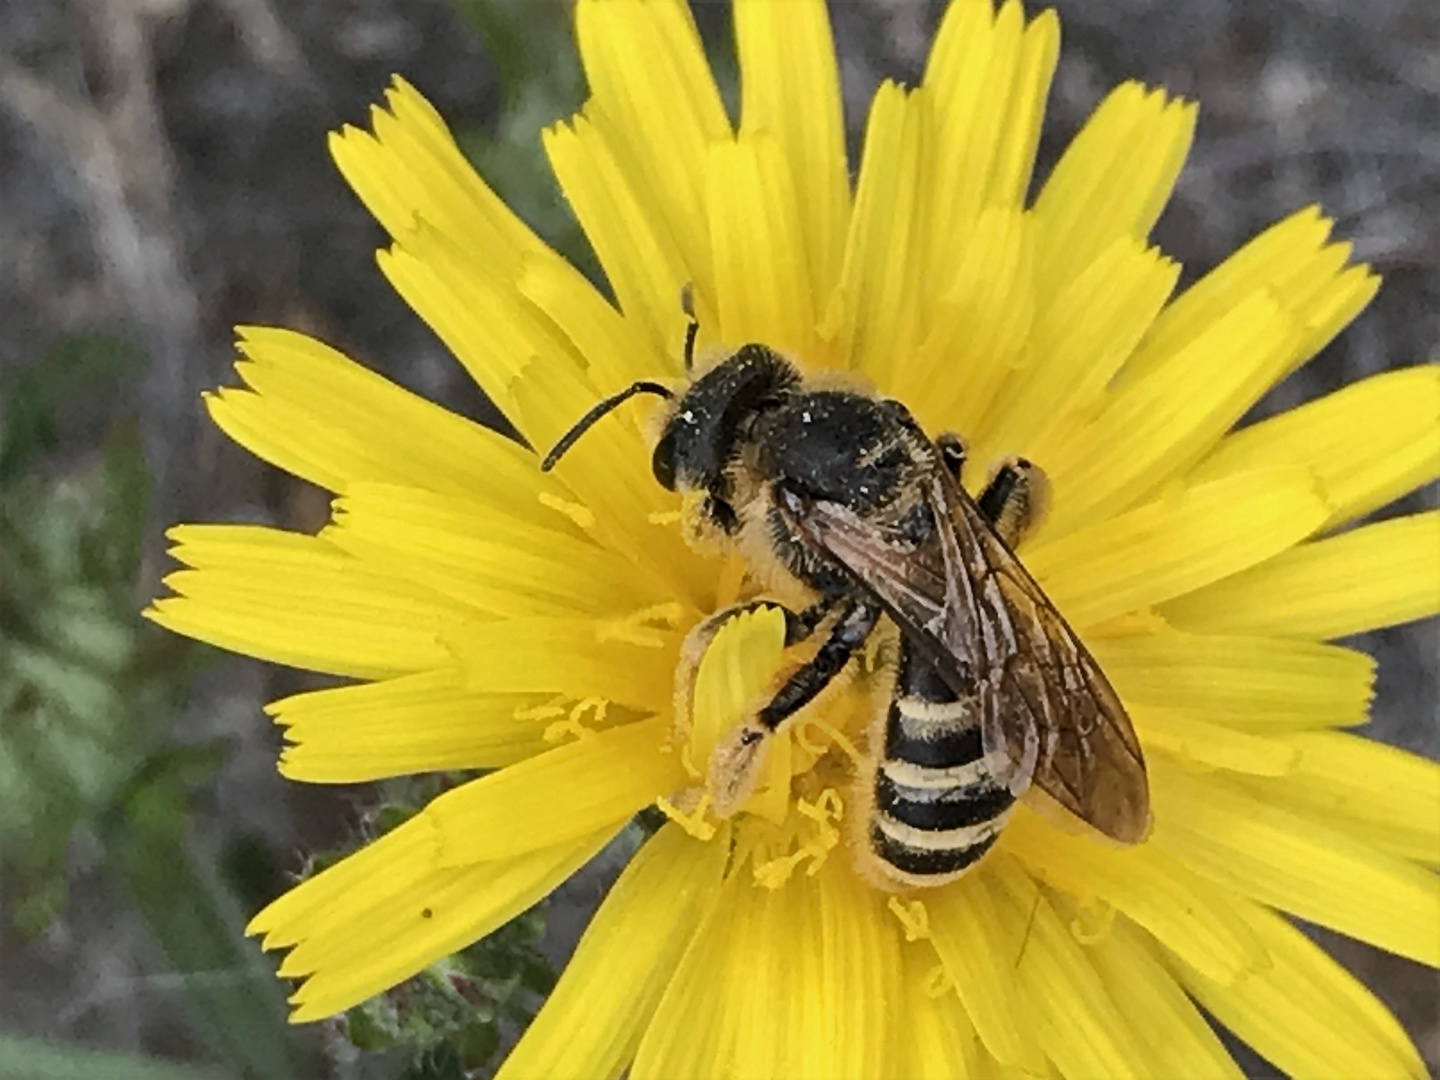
[(1014, 500), (798, 626), (735, 764), (692, 323), (851, 630), (952, 453)]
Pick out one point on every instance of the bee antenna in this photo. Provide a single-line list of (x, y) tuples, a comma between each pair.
[(687, 305), (586, 422)]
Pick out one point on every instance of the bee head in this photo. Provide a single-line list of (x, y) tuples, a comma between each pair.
[(707, 425), (714, 418)]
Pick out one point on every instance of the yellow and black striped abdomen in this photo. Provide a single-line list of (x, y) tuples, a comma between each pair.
[(939, 799)]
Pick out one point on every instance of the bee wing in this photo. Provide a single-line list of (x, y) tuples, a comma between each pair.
[(966, 601)]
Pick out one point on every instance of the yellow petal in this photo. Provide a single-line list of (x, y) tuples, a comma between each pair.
[(988, 78), (541, 320), (973, 933), (785, 982), (974, 47), (1209, 357), (846, 955), (1293, 264), (1294, 863), (410, 169), (1305, 1013), (324, 418), (597, 781), (652, 91), (1377, 575), (939, 1042), (979, 326), (610, 476), (1369, 443), (480, 317), (476, 555), (1150, 429), (592, 1021), (1112, 180), (1194, 918), (613, 349), (762, 276), (385, 867), (738, 665), (372, 937), (1212, 745), (413, 724), (1176, 1039), (1252, 683), (578, 658), (874, 312), (643, 263), (300, 600), (1386, 797), (1077, 1023), (1182, 541), (790, 88), (1077, 342)]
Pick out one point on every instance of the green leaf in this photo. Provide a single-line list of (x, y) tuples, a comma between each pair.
[(233, 1002), (32, 1059), (33, 399)]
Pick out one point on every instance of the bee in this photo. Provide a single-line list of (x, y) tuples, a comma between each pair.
[(842, 494)]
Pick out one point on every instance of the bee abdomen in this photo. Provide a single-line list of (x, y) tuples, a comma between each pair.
[(938, 801), (940, 810), (918, 865)]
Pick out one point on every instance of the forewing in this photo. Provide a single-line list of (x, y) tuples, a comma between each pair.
[(916, 583), (965, 600), (1052, 698)]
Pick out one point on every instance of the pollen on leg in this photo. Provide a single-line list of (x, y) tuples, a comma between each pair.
[(735, 766)]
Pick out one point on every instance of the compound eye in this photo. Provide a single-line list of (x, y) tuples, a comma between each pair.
[(662, 464)]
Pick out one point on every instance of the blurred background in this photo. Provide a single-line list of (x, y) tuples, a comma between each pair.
[(163, 176)]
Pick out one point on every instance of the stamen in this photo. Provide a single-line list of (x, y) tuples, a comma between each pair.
[(825, 811), (548, 711), (776, 872), (837, 738), (914, 917), (1092, 922), (687, 759), (579, 513), (664, 517), (938, 982), (637, 628), (573, 725), (694, 822)]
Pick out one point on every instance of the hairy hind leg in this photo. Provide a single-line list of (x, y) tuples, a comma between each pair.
[(1014, 500), (799, 625), (735, 763)]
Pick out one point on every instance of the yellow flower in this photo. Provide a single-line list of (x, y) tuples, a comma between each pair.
[(496, 617)]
